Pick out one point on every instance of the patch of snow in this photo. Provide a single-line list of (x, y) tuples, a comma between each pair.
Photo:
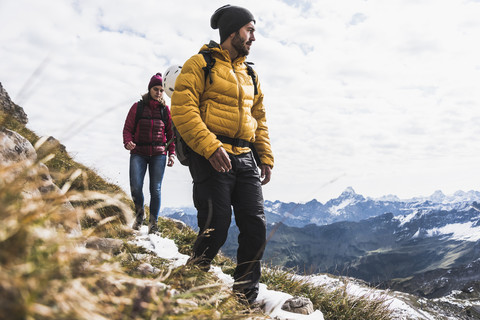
[(416, 235), (405, 219), (457, 231), (276, 206), (292, 216), (162, 247), (273, 300), (462, 303), (399, 308), (336, 210), (387, 198)]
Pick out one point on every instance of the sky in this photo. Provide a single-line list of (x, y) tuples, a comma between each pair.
[(381, 96)]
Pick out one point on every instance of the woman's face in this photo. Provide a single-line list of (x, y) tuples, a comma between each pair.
[(156, 92)]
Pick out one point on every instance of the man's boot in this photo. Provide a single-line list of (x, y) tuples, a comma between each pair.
[(139, 212), (152, 225)]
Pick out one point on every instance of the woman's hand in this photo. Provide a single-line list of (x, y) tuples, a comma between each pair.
[(130, 145), (171, 160)]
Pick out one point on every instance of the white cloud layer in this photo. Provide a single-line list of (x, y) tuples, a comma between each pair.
[(379, 96)]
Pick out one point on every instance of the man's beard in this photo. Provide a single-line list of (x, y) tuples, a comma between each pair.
[(239, 44)]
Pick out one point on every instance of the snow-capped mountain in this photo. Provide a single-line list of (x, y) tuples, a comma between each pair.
[(426, 246), (400, 251), (350, 206)]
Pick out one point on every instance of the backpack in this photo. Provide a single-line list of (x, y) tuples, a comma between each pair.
[(182, 150), (139, 115)]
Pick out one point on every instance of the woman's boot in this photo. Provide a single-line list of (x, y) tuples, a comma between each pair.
[(139, 212), (152, 225)]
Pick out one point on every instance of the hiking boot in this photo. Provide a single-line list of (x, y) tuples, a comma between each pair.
[(137, 224), (138, 218), (152, 226), (201, 262), (245, 295)]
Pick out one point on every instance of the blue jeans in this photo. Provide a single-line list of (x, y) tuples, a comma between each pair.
[(156, 168)]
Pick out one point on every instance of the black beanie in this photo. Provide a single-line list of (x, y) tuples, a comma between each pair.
[(229, 19)]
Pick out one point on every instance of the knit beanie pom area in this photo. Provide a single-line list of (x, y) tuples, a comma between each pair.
[(156, 80)]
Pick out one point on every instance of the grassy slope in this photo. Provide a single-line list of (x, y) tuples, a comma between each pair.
[(46, 272)]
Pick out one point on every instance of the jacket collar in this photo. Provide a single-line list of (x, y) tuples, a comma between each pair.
[(215, 47)]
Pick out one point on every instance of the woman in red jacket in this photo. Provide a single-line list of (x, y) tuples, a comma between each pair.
[(149, 137)]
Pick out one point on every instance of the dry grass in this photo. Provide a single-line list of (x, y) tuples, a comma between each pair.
[(335, 304), (46, 272)]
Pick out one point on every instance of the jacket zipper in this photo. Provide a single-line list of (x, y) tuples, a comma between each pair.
[(151, 136), (240, 116)]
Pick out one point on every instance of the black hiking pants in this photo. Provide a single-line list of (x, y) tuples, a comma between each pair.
[(214, 195)]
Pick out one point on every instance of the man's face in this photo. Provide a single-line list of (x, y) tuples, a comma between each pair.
[(243, 39)]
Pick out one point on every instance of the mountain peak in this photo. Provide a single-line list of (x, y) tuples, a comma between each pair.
[(348, 191)]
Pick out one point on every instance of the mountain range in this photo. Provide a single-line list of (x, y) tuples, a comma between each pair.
[(348, 206), (429, 246)]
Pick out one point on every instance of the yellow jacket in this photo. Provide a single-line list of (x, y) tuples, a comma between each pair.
[(225, 105)]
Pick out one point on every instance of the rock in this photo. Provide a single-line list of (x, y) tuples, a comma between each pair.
[(16, 153), (19, 158), (49, 145), (15, 148), (474, 311), (299, 305), (179, 224), (187, 303), (107, 245), (146, 269), (8, 107)]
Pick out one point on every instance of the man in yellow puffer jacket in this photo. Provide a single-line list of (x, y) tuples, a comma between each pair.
[(219, 117)]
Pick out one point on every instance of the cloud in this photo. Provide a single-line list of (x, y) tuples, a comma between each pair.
[(357, 18), (382, 95)]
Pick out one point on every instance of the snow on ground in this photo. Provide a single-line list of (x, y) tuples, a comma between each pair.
[(273, 300), (162, 247), (400, 309)]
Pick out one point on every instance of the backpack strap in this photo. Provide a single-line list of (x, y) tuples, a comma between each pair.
[(251, 73), (138, 113), (164, 115), (207, 55)]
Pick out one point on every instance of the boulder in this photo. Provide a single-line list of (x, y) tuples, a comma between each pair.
[(107, 245), (8, 107), (299, 305), (18, 159), (16, 153)]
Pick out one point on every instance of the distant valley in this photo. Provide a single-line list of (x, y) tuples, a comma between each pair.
[(409, 245)]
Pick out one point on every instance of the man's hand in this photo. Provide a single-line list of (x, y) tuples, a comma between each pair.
[(220, 160), (266, 173)]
